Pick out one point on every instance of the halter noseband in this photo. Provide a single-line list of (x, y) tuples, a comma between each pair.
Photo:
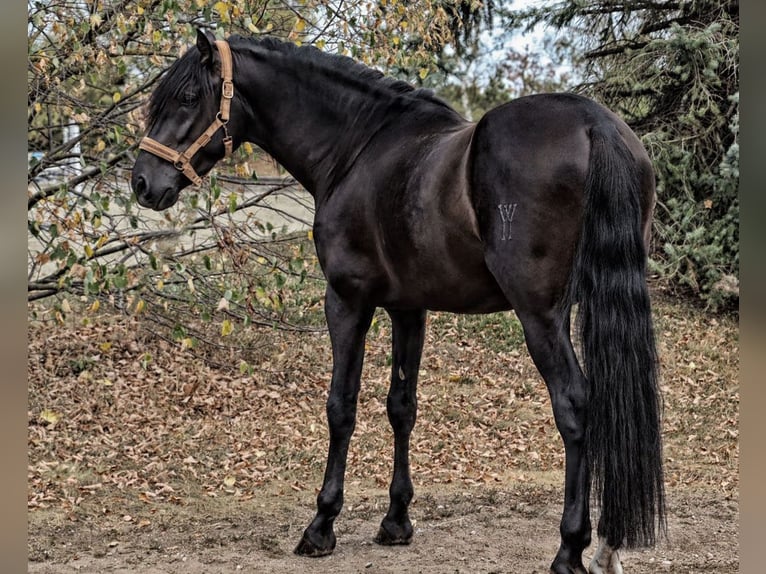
[(182, 160)]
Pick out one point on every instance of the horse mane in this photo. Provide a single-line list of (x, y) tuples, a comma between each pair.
[(188, 71), (340, 65)]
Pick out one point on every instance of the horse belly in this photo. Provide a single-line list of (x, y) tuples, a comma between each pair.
[(443, 272), (475, 292)]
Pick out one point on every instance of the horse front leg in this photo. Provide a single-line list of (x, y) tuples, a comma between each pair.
[(408, 335), (348, 322)]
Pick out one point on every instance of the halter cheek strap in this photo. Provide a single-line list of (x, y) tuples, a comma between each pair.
[(182, 160)]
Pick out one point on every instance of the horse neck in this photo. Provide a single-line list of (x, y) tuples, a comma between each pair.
[(313, 120)]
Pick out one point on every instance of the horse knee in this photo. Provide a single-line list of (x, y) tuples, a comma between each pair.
[(341, 416), (402, 411)]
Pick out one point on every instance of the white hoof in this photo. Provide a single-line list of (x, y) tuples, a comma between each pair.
[(606, 560)]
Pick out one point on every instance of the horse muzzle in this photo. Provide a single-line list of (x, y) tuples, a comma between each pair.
[(153, 197)]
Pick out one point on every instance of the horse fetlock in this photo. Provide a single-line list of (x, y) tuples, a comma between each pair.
[(329, 506)]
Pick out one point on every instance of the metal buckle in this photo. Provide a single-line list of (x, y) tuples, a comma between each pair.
[(227, 89)]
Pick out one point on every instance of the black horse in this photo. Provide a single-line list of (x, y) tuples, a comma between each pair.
[(544, 203)]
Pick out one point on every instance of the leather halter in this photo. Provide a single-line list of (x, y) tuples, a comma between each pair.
[(182, 160)]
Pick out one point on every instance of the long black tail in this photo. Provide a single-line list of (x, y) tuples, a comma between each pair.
[(623, 441)]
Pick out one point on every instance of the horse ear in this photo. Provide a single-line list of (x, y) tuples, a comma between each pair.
[(205, 45)]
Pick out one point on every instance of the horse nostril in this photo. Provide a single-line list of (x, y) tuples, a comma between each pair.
[(138, 183)]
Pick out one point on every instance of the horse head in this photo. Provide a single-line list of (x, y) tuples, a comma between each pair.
[(187, 124)]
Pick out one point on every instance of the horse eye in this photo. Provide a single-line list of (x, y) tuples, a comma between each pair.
[(189, 99)]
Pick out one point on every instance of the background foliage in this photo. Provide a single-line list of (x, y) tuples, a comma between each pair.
[(670, 68)]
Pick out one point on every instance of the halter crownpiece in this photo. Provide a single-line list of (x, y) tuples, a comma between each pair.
[(182, 160)]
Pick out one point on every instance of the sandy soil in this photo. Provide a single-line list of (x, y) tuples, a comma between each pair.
[(458, 530)]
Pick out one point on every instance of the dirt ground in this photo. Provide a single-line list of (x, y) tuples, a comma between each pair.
[(474, 530), (172, 465)]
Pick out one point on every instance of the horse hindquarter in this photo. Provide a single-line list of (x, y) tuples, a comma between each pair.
[(563, 192)]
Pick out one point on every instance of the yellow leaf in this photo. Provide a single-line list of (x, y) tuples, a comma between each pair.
[(248, 147), (187, 343), (140, 306), (88, 250), (105, 346), (140, 10), (223, 10), (50, 417), (94, 307), (229, 481), (300, 25), (226, 328), (116, 97), (100, 145), (423, 73), (310, 235), (243, 169)]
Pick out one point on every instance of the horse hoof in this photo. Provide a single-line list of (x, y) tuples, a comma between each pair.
[(562, 567), (394, 535), (606, 560), (309, 549)]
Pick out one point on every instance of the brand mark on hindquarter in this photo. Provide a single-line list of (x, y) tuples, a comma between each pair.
[(507, 211)]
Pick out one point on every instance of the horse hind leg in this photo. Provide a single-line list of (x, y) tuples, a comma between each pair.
[(401, 405), (551, 349)]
